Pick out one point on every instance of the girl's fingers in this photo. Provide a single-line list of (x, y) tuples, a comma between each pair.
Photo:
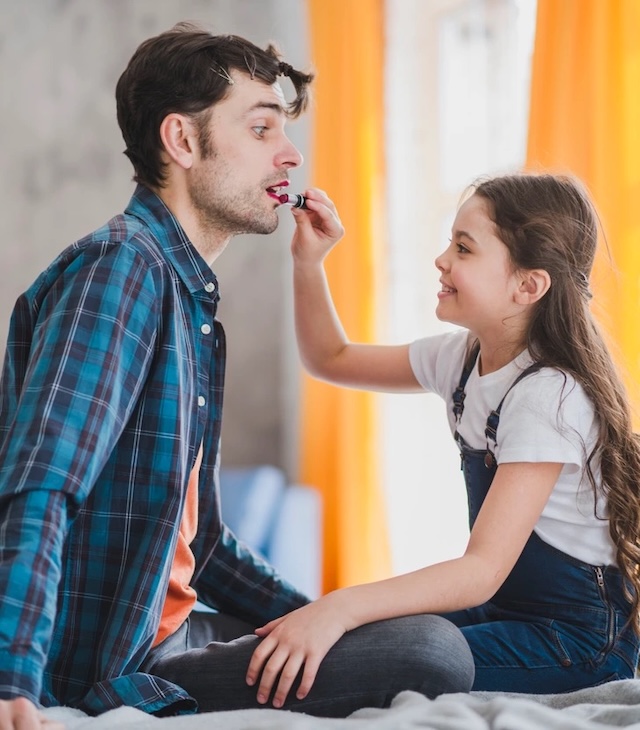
[(260, 655), (311, 667), (320, 218), (289, 674), (268, 628), (321, 197), (270, 673), (287, 678)]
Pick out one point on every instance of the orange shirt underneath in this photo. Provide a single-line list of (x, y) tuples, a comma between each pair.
[(180, 595)]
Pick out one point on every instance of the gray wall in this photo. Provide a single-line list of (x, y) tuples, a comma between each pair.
[(63, 174)]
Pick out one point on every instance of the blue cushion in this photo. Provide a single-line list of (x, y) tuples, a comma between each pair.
[(250, 499), (295, 548)]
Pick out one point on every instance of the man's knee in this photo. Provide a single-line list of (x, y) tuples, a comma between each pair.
[(428, 652)]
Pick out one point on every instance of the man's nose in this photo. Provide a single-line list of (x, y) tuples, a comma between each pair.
[(290, 155)]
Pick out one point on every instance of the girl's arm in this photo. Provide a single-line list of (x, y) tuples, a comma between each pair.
[(302, 638), (324, 348)]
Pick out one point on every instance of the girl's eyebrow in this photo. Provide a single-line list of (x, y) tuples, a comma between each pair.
[(465, 234)]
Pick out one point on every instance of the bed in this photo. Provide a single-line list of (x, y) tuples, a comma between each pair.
[(612, 705)]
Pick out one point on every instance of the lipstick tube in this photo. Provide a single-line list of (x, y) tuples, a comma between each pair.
[(296, 200)]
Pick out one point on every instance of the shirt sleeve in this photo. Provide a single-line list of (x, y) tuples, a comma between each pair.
[(92, 340), (33, 528), (547, 417), (238, 581), (437, 361)]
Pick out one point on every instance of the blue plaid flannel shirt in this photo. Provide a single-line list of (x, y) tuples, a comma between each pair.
[(113, 376)]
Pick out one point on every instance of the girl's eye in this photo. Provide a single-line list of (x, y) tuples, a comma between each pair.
[(260, 130), (461, 248)]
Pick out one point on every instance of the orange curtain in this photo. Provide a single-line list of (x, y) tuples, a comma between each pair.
[(339, 451), (585, 119)]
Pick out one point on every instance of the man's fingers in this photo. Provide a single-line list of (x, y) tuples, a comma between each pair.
[(50, 724), (21, 714)]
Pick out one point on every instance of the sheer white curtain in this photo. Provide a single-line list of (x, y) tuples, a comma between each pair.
[(457, 81)]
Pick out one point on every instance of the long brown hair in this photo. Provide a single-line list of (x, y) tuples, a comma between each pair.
[(548, 222)]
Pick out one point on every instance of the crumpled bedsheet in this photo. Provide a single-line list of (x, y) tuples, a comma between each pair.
[(612, 705)]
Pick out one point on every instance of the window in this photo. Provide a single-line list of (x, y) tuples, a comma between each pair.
[(457, 104)]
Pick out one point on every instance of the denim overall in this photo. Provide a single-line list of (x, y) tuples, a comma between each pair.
[(556, 623)]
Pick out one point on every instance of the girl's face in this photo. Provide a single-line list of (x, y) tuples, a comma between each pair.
[(477, 277)]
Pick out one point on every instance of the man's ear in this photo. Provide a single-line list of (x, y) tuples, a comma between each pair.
[(534, 284), (178, 139)]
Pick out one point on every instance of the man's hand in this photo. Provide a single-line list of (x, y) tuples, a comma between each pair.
[(21, 714), (302, 638)]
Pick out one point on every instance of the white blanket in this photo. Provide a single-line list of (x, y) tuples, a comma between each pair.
[(612, 705)]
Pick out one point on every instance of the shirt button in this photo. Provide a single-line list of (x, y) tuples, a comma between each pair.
[(209, 286), (201, 400), (205, 329)]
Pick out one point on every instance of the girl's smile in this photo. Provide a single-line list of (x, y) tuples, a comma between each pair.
[(445, 291)]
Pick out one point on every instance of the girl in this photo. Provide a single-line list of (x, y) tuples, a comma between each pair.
[(547, 590)]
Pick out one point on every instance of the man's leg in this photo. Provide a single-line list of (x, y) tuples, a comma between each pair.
[(366, 668)]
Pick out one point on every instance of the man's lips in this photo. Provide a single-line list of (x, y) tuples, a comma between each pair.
[(275, 190)]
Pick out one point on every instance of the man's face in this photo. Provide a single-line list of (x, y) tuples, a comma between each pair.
[(234, 187)]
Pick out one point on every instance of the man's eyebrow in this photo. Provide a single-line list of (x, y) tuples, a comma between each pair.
[(277, 108)]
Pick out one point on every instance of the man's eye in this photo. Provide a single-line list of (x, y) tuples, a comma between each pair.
[(259, 130)]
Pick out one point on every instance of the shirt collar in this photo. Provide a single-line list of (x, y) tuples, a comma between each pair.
[(178, 249)]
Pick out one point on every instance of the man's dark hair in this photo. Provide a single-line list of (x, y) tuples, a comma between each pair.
[(186, 70)]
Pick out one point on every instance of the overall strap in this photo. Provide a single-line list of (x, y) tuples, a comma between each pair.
[(458, 393), (491, 428)]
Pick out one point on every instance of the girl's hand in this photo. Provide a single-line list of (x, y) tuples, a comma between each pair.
[(302, 637), (318, 228)]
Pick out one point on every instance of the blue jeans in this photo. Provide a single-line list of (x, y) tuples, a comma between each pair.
[(209, 655), (518, 652), (556, 624)]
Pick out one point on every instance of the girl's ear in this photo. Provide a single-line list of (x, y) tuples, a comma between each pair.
[(178, 139), (534, 284)]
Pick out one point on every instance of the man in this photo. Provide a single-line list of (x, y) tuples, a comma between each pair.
[(110, 406)]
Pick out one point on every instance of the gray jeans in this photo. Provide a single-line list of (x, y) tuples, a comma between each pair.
[(209, 656)]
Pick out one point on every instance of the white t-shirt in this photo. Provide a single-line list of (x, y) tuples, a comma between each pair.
[(546, 417)]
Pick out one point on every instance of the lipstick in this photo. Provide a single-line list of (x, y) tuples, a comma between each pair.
[(297, 200)]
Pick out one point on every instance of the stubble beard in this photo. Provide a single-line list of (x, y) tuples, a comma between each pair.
[(229, 214)]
